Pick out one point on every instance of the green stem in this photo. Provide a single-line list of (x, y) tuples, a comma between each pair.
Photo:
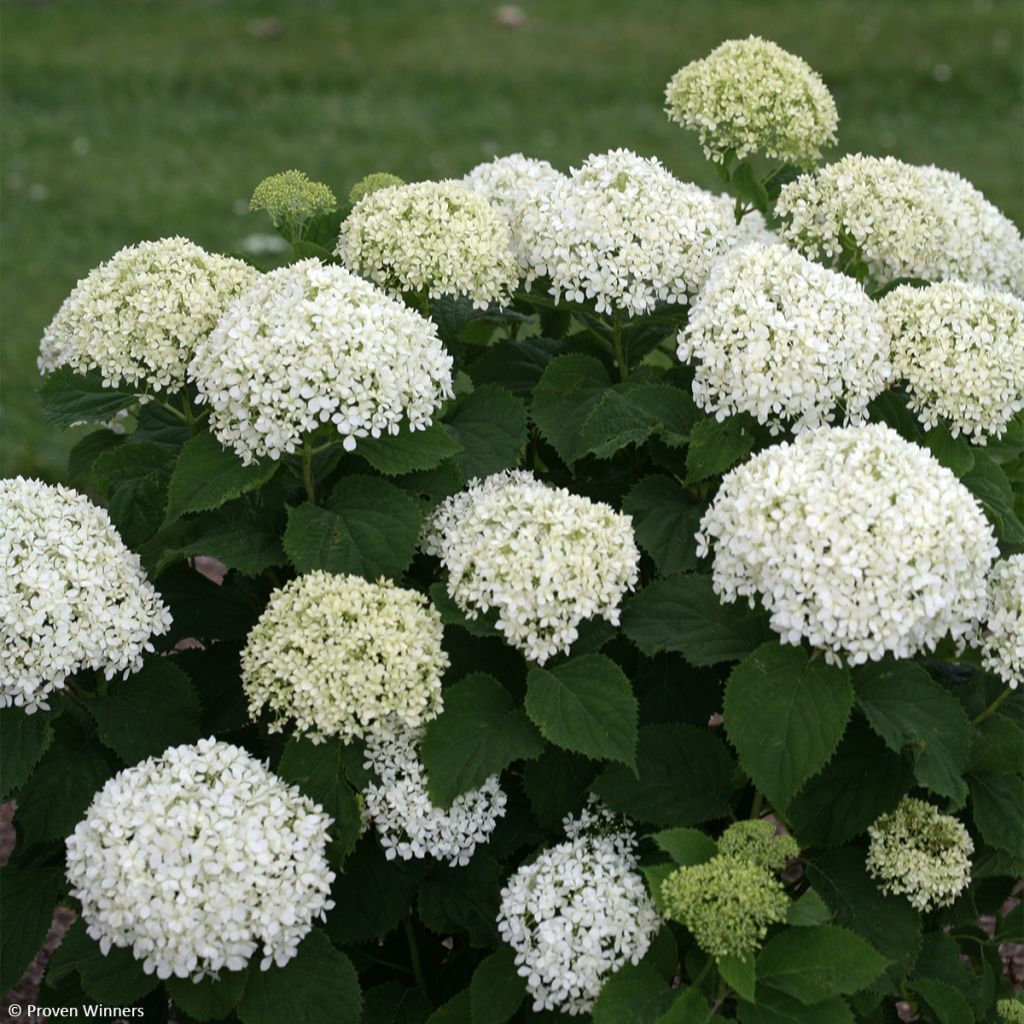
[(307, 469), (755, 809), (414, 954), (703, 972), (620, 352), (993, 707), (187, 415)]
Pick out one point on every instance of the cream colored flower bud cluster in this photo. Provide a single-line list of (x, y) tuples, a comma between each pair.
[(622, 232), (856, 541), (1003, 636), (917, 852), (757, 840), (311, 344), (751, 96), (785, 340), (336, 655), (409, 824), (138, 317), (575, 915), (545, 558), (72, 596), (198, 860), (433, 237), (960, 348), (906, 221)]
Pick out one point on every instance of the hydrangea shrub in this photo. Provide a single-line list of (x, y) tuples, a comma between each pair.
[(553, 593)]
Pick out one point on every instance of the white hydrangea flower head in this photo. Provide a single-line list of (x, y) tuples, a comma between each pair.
[(623, 232), (196, 859), (917, 852), (785, 340), (906, 221), (433, 237), (72, 596), (545, 558), (311, 344), (1002, 639), (138, 317), (751, 96), (409, 824), (856, 541), (960, 348), (577, 914), (337, 654)]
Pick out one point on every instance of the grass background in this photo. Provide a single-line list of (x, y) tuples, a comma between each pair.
[(125, 121)]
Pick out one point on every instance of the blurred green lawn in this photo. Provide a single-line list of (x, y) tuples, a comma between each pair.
[(125, 121)]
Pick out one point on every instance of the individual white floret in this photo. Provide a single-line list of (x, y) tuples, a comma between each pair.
[(432, 237), (960, 348), (311, 344), (138, 317), (72, 596), (409, 824), (855, 540), (198, 860), (622, 232), (919, 853), (1002, 638), (785, 340), (751, 96), (337, 654), (904, 221), (577, 914), (545, 558)]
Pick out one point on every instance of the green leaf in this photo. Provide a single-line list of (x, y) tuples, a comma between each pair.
[(490, 425), (808, 910), (715, 447), (143, 715), (948, 1005), (665, 523), (907, 708), (813, 964), (777, 1008), (318, 986), (556, 784), (250, 551), (997, 747), (748, 187), (632, 995), (463, 900), (990, 486), (563, 400), (655, 875), (785, 715), (690, 1007), (208, 475), (452, 614), (134, 478), (89, 449), (630, 412), (682, 613), (456, 1011), (393, 1003), (953, 452), (738, 974), (23, 739), (29, 897), (208, 999), (889, 923), (368, 528), (685, 777), (516, 365), (479, 733), (496, 990), (998, 802), (68, 398), (686, 846), (410, 450), (586, 705)]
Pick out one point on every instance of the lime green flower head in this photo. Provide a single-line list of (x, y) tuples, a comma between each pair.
[(758, 841), (1011, 1011), (727, 903), (292, 197), (373, 183)]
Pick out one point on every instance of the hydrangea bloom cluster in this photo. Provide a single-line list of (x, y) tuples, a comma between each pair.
[(622, 231), (917, 852), (545, 558), (757, 840), (751, 96), (906, 221), (576, 914), (72, 596), (409, 824), (784, 339), (432, 237), (138, 317), (960, 349), (337, 654), (313, 344), (727, 902), (372, 183), (196, 859), (1003, 636), (856, 540), (1010, 1011), (292, 198)]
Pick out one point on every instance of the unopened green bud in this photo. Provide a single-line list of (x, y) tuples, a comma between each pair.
[(1011, 1011), (292, 197), (373, 183), (758, 841)]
